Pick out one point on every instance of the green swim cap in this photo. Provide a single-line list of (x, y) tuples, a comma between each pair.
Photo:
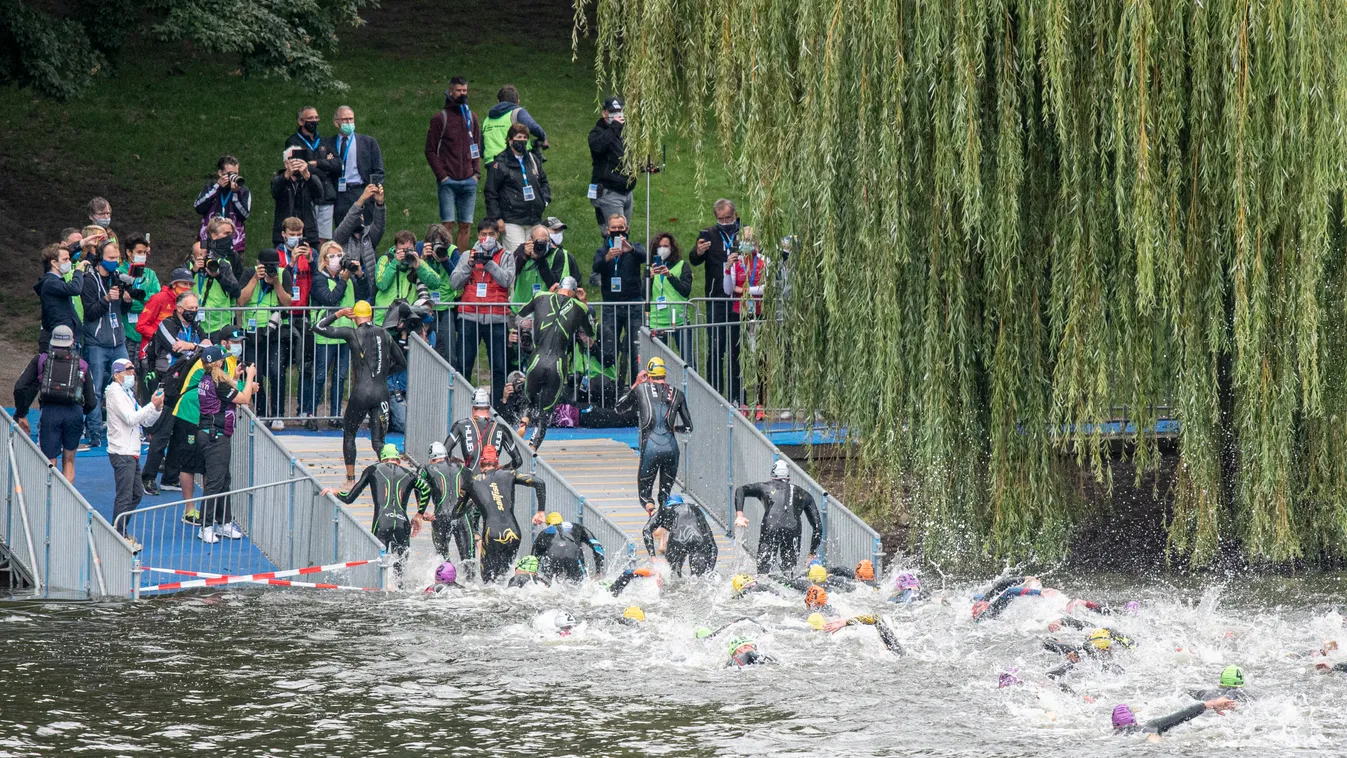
[(1232, 676), (702, 632), (739, 642), (527, 564), (389, 451)]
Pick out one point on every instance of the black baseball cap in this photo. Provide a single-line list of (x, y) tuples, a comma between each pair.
[(612, 104), (230, 333)]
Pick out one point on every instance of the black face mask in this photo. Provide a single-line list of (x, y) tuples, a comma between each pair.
[(221, 246), (188, 317), (311, 127), (731, 228), (519, 146), (461, 100), (617, 236)]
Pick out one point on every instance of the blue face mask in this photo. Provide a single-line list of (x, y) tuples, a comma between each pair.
[(109, 266)]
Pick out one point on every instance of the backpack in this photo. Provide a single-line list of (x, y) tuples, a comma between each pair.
[(62, 375), (172, 380)]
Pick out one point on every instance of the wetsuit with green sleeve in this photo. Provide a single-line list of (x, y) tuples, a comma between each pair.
[(391, 485), (468, 436), (492, 494), (557, 321), (779, 536), (448, 476), (661, 411)]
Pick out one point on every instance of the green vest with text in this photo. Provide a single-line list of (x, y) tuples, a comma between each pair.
[(493, 134), (347, 301), (667, 306), (529, 283), (210, 294)]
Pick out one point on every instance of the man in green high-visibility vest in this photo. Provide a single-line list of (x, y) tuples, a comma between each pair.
[(504, 114), (541, 262)]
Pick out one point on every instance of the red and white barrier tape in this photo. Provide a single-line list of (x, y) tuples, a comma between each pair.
[(208, 579)]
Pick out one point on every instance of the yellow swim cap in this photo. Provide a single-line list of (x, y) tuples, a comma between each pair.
[(361, 309), (655, 368), (553, 518), (634, 613), (740, 581), (1101, 639), (817, 574), (816, 620)]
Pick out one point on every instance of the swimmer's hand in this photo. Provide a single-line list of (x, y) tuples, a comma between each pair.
[(832, 627), (1220, 704), (416, 525), (740, 520)]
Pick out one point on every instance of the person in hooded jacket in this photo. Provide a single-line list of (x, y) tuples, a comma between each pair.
[(517, 190)]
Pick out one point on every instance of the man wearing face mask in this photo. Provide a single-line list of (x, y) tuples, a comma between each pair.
[(338, 284), (176, 339), (106, 301), (126, 417), (296, 189), (160, 306), (215, 274), (541, 262), (617, 265), (362, 228), (299, 261), (145, 281), (714, 246), (517, 191), (398, 272), (57, 294), (609, 187), (362, 163), (226, 196), (486, 279), (100, 215), (323, 165), (454, 152)]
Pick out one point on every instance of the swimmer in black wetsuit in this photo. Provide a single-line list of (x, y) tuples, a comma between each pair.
[(690, 536), (1232, 686), (469, 436), (744, 652), (1125, 722), (559, 318), (446, 580), (817, 575), (628, 576), (1100, 644), (661, 411), (374, 357), (782, 505), (560, 549), (391, 486), (448, 477), (491, 492)]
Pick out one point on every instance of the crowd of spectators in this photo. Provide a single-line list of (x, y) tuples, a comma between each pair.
[(215, 332)]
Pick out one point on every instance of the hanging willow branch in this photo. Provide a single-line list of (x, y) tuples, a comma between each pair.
[(1019, 220)]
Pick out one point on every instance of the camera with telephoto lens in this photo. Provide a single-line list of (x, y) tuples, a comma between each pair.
[(234, 179), (270, 268), (126, 279), (437, 249), (480, 256), (213, 266), (351, 266)]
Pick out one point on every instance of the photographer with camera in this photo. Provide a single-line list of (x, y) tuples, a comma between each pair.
[(57, 293), (214, 277), (618, 264), (517, 191), (226, 197), (265, 294), (541, 262), (107, 299), (296, 190), (399, 271), (486, 278), (143, 280), (338, 283), (439, 254), (361, 229), (323, 165)]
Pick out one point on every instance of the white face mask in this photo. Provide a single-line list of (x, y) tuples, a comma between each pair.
[(139, 260), (334, 264), (664, 252), (556, 237), (129, 381), (236, 350), (292, 242), (65, 268)]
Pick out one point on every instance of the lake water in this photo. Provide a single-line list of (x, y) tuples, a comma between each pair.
[(287, 672)]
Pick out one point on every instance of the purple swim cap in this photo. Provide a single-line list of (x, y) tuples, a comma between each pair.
[(1122, 716), (445, 573), (908, 582), (1132, 607), (1008, 679)]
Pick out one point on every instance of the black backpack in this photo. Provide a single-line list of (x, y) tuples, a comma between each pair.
[(62, 378), (172, 380)]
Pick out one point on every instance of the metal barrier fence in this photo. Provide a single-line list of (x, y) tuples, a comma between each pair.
[(444, 395), (51, 530), (730, 451), (295, 525)]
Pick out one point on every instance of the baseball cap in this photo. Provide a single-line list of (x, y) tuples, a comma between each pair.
[(553, 223), (122, 364), (612, 104), (61, 336), (181, 275), (228, 333), (212, 354)]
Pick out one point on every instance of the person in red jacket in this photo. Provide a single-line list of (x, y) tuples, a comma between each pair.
[(454, 152), (160, 306)]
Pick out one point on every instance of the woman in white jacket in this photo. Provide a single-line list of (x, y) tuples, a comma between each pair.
[(125, 419)]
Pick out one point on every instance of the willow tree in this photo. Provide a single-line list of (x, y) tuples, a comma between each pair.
[(1019, 220)]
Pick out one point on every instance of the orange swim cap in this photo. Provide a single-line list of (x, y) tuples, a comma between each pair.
[(865, 571), (815, 597)]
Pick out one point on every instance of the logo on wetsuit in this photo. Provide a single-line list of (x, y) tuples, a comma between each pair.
[(497, 497), (506, 537)]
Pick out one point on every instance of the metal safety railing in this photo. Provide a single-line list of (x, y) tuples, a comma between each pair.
[(727, 451), (61, 542), (444, 395)]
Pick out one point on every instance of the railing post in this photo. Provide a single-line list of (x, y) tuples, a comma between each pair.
[(88, 555), (580, 517), (252, 464), (290, 533), (729, 472), (384, 568), (135, 576), (47, 550), (823, 517)]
